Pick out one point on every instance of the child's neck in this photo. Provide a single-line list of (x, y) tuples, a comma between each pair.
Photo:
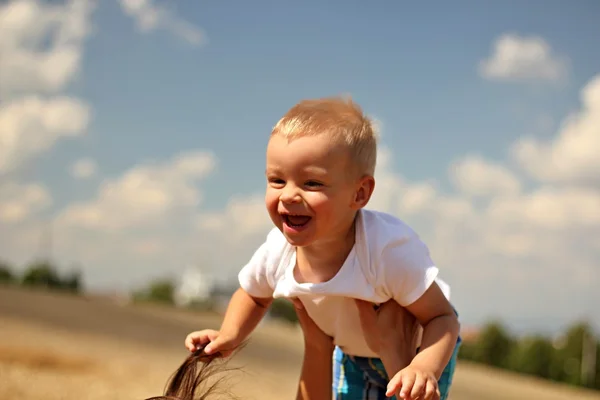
[(320, 262)]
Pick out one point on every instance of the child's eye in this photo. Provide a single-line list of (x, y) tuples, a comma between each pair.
[(313, 184), (276, 181)]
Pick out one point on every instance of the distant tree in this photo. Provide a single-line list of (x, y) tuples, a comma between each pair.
[(41, 273), (559, 360), (597, 380), (6, 274), (468, 351), (44, 274), (160, 290), (533, 356), (571, 353), (72, 282), (494, 346)]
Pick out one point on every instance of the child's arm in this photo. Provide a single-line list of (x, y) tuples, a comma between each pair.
[(242, 316), (440, 333), (440, 330), (249, 303)]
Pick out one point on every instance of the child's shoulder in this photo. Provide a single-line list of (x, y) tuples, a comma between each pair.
[(389, 240), (383, 227), (396, 253)]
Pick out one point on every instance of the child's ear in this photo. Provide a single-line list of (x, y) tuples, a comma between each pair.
[(365, 188)]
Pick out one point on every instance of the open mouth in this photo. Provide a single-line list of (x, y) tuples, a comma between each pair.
[(295, 221)]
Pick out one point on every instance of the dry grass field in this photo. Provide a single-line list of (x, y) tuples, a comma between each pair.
[(60, 347)]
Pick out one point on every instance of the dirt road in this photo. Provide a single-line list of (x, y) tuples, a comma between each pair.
[(80, 348)]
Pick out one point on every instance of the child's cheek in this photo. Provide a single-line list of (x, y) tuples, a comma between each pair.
[(319, 202)]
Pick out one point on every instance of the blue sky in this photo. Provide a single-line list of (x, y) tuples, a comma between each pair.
[(412, 67), (155, 93)]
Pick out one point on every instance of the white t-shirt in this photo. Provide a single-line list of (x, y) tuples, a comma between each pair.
[(388, 261)]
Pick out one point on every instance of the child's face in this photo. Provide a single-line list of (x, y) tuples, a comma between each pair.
[(311, 188)]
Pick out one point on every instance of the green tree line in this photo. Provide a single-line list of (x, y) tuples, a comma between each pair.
[(568, 358), (41, 273)]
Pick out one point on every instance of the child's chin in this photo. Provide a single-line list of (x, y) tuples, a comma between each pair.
[(298, 240)]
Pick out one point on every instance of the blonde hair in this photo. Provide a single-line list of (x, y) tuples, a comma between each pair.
[(341, 119)]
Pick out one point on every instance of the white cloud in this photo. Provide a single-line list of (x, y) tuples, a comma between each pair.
[(147, 194), (571, 156), (20, 201), (475, 176), (518, 58), (383, 199), (83, 168), (31, 126), (40, 54), (140, 224), (41, 44), (416, 197), (549, 208), (150, 16), (241, 216), (41, 49)]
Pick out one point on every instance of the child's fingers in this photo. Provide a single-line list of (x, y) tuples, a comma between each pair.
[(199, 338), (216, 342), (431, 391), (213, 346), (394, 385), (189, 344), (418, 388), (190, 341), (211, 335), (408, 380)]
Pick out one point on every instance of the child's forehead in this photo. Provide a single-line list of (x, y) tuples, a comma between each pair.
[(316, 144), (307, 149)]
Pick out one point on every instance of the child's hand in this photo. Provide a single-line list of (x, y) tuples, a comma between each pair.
[(216, 342), (412, 384)]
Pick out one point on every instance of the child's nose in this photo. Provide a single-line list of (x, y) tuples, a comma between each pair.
[(290, 195)]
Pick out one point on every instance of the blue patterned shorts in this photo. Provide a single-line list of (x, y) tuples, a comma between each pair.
[(364, 378)]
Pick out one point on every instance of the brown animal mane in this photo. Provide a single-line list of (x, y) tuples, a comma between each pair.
[(191, 380)]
